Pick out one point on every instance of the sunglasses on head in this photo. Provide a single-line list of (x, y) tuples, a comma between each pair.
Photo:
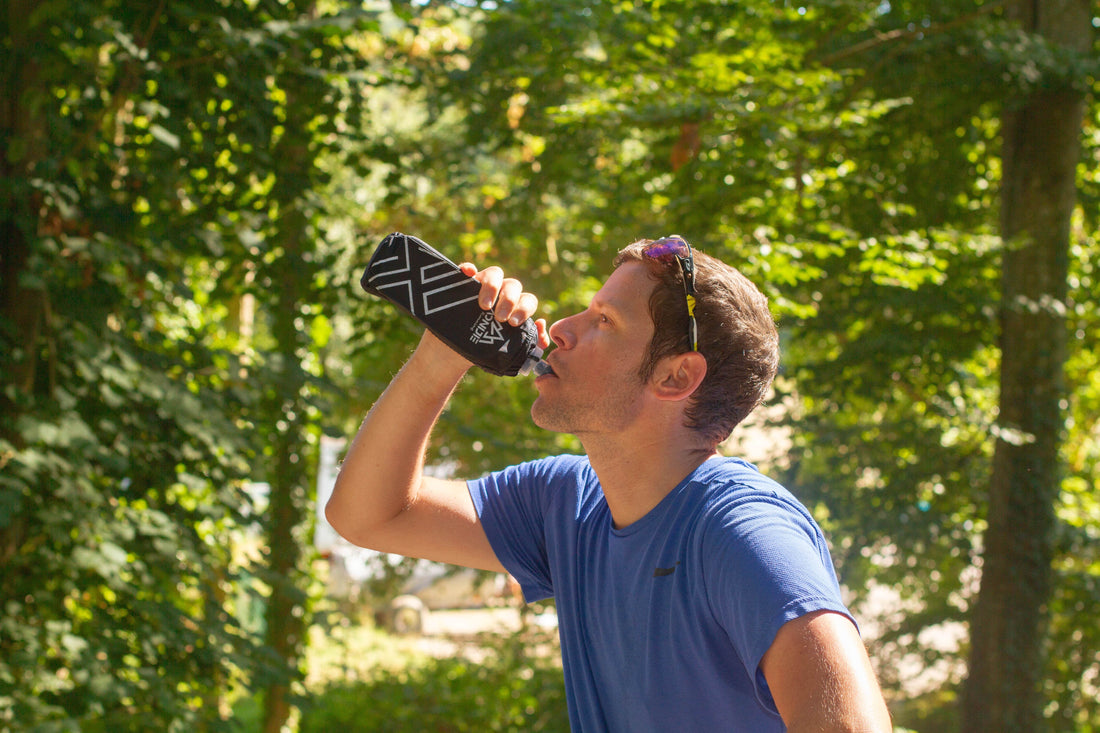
[(675, 246)]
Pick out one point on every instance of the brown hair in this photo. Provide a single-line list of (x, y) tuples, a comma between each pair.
[(737, 337)]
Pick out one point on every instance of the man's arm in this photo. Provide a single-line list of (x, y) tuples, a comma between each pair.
[(821, 679), (382, 499)]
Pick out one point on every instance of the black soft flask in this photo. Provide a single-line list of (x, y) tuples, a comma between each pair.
[(422, 282)]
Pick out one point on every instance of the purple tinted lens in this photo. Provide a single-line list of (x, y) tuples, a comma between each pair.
[(667, 246)]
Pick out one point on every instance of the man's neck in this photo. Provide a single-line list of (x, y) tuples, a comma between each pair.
[(636, 474)]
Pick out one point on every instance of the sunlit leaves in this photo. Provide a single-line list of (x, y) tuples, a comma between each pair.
[(145, 200)]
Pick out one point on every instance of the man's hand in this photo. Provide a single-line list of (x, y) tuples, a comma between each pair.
[(506, 298)]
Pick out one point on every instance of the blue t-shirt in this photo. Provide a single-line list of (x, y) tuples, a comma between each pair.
[(663, 623)]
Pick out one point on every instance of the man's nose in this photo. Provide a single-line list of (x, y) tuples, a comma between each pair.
[(561, 333)]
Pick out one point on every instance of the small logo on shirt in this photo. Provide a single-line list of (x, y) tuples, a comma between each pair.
[(662, 572)]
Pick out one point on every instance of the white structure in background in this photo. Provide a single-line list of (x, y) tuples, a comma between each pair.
[(325, 537), (347, 563), (430, 586)]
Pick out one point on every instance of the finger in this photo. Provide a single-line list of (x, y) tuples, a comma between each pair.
[(508, 300), (543, 335), (491, 279), (524, 309), (469, 269)]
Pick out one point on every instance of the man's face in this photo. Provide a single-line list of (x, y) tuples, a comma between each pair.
[(595, 386)]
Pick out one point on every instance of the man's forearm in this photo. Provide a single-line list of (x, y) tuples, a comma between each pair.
[(384, 465)]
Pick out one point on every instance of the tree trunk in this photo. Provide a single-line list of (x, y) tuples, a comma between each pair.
[(290, 275), (1041, 147), (287, 412), (23, 307)]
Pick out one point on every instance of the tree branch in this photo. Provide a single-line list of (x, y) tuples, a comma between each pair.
[(881, 39)]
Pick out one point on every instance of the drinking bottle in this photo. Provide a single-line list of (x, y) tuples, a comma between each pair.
[(425, 284)]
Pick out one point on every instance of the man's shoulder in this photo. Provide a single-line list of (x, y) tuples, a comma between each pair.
[(559, 465), (736, 478), (734, 491), (564, 462), (548, 476)]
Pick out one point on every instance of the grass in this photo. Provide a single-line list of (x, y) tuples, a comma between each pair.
[(351, 650)]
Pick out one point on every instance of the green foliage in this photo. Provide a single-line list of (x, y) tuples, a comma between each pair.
[(507, 691), (124, 487), (932, 712), (139, 170), (166, 166)]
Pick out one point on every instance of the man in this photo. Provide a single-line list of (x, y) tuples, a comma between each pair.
[(692, 592)]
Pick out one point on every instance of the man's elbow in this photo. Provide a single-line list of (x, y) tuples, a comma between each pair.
[(356, 516), (333, 517), (336, 514)]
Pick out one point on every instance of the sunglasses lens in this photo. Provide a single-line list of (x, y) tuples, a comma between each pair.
[(668, 246), (678, 248)]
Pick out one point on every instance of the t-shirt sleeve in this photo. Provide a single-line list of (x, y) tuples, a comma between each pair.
[(512, 506), (770, 564)]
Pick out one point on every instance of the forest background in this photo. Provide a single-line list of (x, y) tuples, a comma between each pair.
[(190, 191)]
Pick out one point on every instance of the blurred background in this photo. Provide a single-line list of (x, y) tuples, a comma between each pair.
[(189, 192)]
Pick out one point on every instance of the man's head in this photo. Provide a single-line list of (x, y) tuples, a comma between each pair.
[(736, 332)]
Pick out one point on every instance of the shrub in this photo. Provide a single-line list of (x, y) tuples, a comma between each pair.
[(505, 692)]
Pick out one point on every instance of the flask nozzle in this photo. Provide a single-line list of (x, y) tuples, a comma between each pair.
[(539, 367)]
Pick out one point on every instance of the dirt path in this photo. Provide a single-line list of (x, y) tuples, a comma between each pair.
[(453, 632)]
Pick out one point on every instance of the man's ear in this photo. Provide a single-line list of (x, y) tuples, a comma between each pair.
[(677, 377)]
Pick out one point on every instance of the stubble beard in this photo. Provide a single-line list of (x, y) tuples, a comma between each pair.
[(611, 410)]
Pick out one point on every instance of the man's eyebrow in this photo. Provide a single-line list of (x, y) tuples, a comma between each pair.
[(605, 306)]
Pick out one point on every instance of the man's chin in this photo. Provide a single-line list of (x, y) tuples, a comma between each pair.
[(548, 419)]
